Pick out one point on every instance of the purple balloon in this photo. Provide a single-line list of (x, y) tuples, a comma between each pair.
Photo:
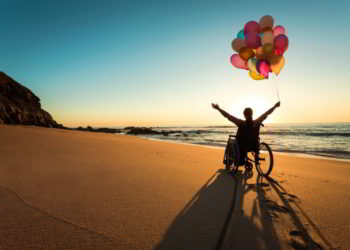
[(281, 42), (252, 40), (238, 62), (251, 26), (263, 68)]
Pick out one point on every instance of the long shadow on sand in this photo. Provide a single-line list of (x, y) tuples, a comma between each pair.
[(200, 222), (251, 229), (205, 222), (215, 217)]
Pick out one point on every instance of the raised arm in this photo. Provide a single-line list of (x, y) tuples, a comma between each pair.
[(267, 113), (231, 118)]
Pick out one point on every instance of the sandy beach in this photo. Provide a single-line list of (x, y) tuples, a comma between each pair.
[(62, 189)]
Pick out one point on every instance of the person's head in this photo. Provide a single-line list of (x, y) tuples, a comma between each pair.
[(248, 114)]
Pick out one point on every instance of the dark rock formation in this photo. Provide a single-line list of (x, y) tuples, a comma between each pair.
[(129, 128), (99, 130), (18, 105), (150, 131), (143, 131)]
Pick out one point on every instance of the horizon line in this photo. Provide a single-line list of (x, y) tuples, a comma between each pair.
[(201, 125)]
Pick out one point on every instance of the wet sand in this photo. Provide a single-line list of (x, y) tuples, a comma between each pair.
[(64, 189)]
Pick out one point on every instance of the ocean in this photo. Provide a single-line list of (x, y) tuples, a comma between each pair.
[(327, 139)]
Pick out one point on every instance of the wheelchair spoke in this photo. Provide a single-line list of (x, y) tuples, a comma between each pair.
[(264, 159)]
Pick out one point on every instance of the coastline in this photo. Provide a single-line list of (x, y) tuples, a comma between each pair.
[(322, 140), (295, 154)]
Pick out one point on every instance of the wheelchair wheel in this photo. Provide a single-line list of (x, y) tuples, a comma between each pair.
[(232, 157), (264, 159)]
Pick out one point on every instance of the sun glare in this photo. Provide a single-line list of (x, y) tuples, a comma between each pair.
[(258, 104)]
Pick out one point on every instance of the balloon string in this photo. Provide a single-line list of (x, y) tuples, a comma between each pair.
[(275, 81)]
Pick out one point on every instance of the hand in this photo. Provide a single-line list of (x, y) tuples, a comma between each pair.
[(278, 104), (215, 106)]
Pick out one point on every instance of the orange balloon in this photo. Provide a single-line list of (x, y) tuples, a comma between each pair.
[(267, 37), (246, 53), (266, 29), (259, 53), (266, 21), (268, 51), (237, 44), (277, 63)]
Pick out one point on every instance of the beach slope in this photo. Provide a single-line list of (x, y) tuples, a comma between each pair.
[(62, 189)]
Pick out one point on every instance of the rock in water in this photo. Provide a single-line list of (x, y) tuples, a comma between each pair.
[(18, 105)]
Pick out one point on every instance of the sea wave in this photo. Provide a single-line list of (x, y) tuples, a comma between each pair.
[(319, 134), (343, 154), (331, 140), (280, 133)]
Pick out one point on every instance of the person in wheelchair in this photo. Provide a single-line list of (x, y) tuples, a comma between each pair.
[(248, 129)]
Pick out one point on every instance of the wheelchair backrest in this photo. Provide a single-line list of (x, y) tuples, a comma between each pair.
[(248, 135)]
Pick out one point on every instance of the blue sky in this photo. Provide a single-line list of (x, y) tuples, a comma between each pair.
[(110, 63)]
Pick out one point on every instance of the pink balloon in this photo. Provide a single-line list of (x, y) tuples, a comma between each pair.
[(252, 40), (251, 26), (279, 30), (263, 68), (281, 42), (238, 62)]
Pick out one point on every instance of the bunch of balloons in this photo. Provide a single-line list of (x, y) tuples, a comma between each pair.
[(260, 47)]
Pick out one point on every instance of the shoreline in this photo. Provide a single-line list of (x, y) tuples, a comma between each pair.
[(212, 136), (296, 154), (107, 130)]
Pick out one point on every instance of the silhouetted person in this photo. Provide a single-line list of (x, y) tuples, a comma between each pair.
[(248, 130)]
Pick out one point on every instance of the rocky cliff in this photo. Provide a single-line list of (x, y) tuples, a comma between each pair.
[(18, 105)]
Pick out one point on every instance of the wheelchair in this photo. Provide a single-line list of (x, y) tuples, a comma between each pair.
[(260, 155)]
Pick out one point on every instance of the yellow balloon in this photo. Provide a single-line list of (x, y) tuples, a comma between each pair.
[(252, 64), (256, 76), (277, 63)]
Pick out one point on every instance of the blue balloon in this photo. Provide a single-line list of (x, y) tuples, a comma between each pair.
[(240, 34)]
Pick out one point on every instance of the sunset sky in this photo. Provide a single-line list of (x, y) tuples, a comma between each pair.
[(153, 63)]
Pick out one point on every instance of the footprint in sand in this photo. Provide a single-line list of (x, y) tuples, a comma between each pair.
[(271, 216), (295, 233), (264, 185), (272, 209), (299, 241), (272, 205)]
